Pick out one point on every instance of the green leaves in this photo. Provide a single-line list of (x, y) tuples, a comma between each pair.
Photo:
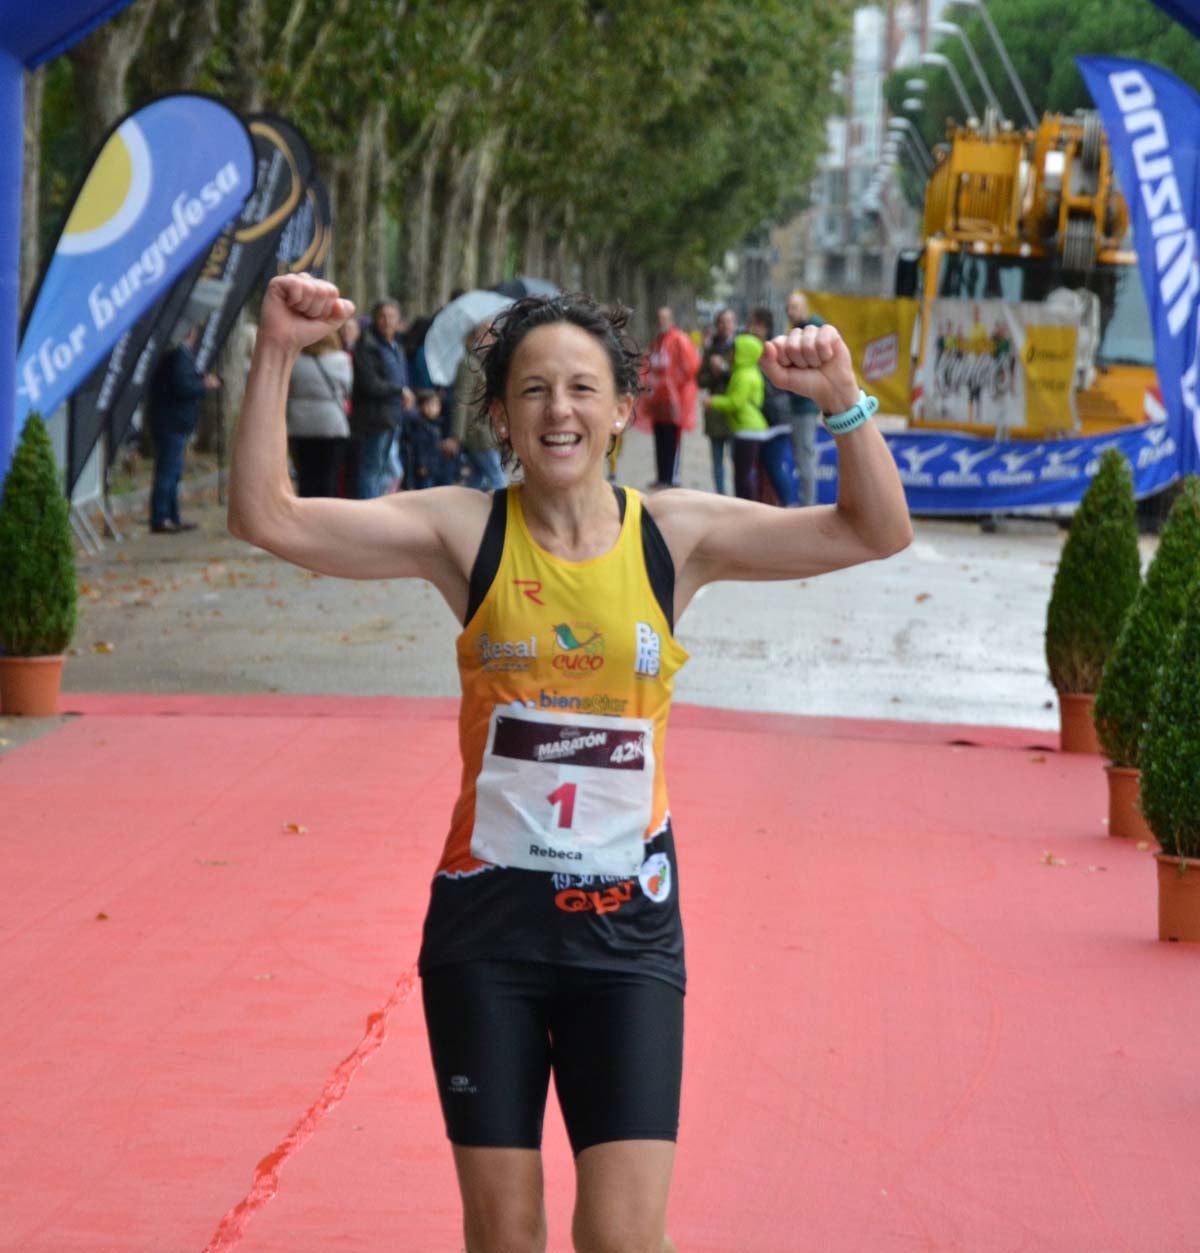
[(1124, 696), (37, 558), (1097, 579), (1171, 745)]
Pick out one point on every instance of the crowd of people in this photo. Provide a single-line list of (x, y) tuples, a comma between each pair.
[(768, 434), (364, 418)]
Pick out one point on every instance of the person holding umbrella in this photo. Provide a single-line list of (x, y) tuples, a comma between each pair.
[(553, 941)]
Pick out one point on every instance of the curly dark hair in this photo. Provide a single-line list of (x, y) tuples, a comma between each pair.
[(607, 324)]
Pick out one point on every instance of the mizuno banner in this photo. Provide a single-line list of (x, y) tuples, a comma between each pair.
[(163, 186), (946, 472), (1153, 126)]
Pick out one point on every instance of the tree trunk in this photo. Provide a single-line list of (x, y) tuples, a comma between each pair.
[(35, 83), (468, 274), (375, 267), (451, 244), (497, 259), (356, 215), (420, 257), (533, 243), (101, 64), (249, 55)]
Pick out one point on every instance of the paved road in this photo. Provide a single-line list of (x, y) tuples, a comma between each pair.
[(949, 631)]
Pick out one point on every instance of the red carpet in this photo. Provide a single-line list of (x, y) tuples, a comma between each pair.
[(927, 1008)]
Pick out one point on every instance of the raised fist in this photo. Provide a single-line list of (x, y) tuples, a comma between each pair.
[(298, 310), (812, 361)]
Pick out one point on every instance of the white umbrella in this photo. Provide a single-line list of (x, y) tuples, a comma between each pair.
[(444, 342)]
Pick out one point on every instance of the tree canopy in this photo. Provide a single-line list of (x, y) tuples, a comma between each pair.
[(462, 139), (1042, 38)]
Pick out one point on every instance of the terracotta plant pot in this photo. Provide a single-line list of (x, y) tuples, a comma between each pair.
[(29, 686), (1075, 717), (1178, 898), (1125, 817)]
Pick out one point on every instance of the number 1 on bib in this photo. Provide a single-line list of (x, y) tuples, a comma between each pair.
[(564, 797)]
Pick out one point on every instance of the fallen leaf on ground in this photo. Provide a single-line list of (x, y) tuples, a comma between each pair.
[(101, 917), (1143, 845), (922, 597), (102, 646), (1048, 859), (294, 828), (1037, 761)]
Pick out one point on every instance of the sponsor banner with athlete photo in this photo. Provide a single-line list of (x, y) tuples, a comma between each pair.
[(1004, 366), (164, 184), (1153, 125), (950, 473)]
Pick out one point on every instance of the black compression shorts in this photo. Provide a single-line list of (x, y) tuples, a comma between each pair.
[(497, 1029)]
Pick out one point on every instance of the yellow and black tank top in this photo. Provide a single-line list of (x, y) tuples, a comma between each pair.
[(560, 847)]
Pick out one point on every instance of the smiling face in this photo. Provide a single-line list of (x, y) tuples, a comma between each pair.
[(561, 405)]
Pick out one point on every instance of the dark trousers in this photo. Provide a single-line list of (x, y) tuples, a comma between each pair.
[(745, 468), (318, 463), (168, 469), (667, 437)]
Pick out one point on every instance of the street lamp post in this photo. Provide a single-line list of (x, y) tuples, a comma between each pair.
[(1002, 52), (936, 58), (902, 126), (949, 28)]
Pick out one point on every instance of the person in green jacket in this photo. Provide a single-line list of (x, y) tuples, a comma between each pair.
[(741, 403)]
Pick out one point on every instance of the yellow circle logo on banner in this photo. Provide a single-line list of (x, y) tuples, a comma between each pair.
[(114, 195)]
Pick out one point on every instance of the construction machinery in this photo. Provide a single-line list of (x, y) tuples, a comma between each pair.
[(1035, 217)]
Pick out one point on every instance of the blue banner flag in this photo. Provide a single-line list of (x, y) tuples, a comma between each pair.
[(166, 181), (1153, 126)]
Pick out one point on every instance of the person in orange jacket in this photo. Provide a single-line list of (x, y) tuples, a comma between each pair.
[(669, 398)]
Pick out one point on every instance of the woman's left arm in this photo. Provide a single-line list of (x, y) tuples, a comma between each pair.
[(717, 537)]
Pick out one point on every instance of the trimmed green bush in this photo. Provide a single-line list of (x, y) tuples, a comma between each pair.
[(1123, 698), (1097, 578), (1171, 743), (38, 592)]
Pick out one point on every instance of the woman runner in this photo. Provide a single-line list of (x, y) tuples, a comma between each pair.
[(553, 944)]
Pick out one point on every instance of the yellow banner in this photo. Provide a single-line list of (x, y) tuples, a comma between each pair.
[(878, 333), (1049, 360)]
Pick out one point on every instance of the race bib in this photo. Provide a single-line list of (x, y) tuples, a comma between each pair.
[(567, 793)]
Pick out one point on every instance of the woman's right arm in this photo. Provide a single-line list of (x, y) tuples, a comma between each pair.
[(433, 534)]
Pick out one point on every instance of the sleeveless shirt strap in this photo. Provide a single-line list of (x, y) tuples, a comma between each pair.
[(657, 556), (491, 549)]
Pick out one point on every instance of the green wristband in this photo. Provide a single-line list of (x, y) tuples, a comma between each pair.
[(856, 415)]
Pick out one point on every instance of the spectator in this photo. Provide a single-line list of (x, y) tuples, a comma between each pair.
[(775, 452), (472, 439), (669, 395), (317, 423), (804, 413), (714, 379), (380, 397), (430, 457), (174, 411)]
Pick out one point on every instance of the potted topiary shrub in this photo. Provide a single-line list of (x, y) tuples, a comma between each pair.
[(1127, 685), (37, 577), (1171, 778), (1097, 578)]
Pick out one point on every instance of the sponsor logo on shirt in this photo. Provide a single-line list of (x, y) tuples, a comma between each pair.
[(506, 654), (597, 703), (655, 877), (570, 746), (648, 660), (605, 901), (578, 648)]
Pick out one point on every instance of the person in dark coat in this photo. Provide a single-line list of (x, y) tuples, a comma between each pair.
[(381, 397), (173, 409)]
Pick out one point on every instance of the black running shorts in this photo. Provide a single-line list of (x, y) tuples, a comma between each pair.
[(497, 1029)]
